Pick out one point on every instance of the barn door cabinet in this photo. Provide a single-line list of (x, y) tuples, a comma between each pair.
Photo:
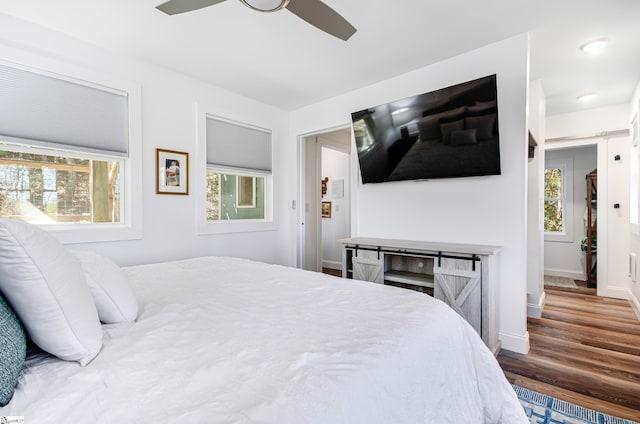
[(463, 276)]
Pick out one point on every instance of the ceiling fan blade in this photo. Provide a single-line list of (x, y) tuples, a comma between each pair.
[(173, 7), (322, 17)]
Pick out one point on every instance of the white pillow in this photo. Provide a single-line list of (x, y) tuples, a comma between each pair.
[(48, 292), (109, 286)]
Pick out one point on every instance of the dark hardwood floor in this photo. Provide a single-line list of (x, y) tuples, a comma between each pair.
[(585, 349), (331, 271)]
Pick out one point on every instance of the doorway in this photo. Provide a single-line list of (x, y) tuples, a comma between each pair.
[(324, 198), (569, 219), (613, 211)]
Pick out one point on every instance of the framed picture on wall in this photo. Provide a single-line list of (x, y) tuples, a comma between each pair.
[(337, 188), (172, 172), (326, 209)]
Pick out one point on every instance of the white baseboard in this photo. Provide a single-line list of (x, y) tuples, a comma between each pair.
[(635, 304), (518, 343), (614, 291), (567, 273), (534, 310), (332, 264)]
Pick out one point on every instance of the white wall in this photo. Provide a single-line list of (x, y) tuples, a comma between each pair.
[(613, 187), (335, 166), (634, 292), (168, 121), (588, 122), (480, 210), (535, 199), (617, 227), (564, 258)]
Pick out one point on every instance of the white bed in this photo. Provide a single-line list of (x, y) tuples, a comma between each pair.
[(227, 340)]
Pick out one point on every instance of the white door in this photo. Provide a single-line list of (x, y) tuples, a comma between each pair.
[(311, 205)]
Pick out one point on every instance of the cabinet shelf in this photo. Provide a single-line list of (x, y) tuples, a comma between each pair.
[(405, 277), (590, 247)]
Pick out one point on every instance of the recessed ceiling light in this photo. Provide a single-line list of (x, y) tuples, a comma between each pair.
[(587, 97), (594, 45)]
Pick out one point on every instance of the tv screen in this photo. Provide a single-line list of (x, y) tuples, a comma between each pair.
[(447, 133)]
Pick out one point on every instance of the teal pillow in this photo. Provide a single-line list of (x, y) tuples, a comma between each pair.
[(13, 350)]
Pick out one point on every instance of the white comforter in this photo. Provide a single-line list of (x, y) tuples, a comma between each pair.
[(223, 340)]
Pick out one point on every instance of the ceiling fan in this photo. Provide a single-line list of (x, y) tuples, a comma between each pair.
[(314, 12)]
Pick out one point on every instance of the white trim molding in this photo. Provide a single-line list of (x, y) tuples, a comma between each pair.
[(616, 292), (518, 343), (635, 304), (534, 310)]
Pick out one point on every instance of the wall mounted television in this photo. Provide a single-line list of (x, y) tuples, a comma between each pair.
[(447, 133)]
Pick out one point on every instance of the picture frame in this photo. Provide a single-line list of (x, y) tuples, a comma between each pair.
[(172, 172), (337, 189), (326, 209)]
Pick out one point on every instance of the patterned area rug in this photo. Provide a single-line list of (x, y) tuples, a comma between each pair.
[(543, 409), (563, 282)]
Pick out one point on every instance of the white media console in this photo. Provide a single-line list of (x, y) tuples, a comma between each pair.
[(463, 276)]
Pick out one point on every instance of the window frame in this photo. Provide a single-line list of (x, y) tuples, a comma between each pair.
[(130, 227), (224, 226), (566, 167)]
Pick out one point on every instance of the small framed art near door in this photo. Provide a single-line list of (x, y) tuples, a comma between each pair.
[(172, 172)]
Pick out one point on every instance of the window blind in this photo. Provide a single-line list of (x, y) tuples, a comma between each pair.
[(50, 111), (237, 146)]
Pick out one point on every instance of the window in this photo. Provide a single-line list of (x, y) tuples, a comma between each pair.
[(55, 187), (238, 177), (553, 200), (362, 133), (558, 199), (66, 155), (233, 196)]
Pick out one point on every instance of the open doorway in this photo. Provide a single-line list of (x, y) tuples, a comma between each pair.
[(570, 218), (613, 210), (325, 198)]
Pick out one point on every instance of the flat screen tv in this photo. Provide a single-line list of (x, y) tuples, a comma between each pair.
[(447, 133)]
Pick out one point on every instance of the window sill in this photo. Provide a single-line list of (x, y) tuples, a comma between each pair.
[(558, 237), (91, 233), (238, 226)]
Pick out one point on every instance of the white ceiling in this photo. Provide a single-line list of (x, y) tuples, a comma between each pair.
[(281, 60)]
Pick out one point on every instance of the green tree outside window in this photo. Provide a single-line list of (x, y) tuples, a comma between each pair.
[(553, 190)]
